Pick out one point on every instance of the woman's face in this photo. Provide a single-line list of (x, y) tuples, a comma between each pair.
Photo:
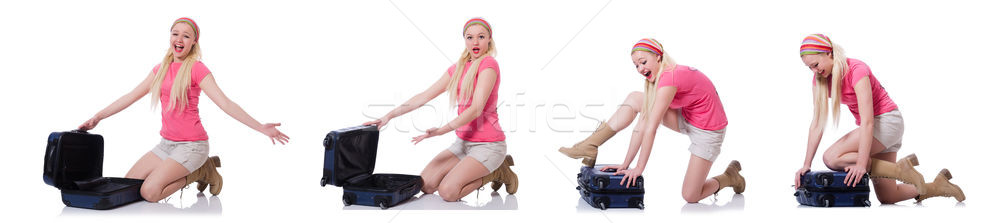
[(477, 40), (181, 40), (821, 64), (645, 63)]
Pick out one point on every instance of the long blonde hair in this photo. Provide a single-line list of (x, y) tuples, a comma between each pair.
[(465, 96), (824, 87), (182, 81), (667, 63)]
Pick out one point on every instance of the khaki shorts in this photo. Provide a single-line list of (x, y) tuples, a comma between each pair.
[(490, 154), (191, 154), (889, 130), (704, 143)]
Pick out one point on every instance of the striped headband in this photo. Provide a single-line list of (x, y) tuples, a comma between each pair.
[(648, 45), (478, 21), (190, 22), (816, 44)]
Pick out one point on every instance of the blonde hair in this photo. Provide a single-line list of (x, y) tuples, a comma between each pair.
[(824, 87), (182, 81), (666, 64), (465, 95)]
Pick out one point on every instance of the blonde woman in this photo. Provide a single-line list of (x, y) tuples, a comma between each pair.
[(181, 157), (680, 98), (879, 136), (478, 156)]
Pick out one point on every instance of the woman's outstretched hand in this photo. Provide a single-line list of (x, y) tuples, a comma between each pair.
[(271, 131), (429, 133)]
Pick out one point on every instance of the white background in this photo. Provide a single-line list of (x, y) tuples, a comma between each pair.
[(320, 66)]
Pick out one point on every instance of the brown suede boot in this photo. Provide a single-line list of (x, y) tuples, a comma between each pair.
[(941, 187), (587, 149), (207, 175), (732, 178), (902, 170), (503, 175)]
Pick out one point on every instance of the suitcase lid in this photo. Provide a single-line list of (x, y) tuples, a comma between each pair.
[(73, 156), (354, 152)]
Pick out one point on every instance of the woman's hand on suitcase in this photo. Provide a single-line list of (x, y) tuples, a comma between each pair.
[(379, 123), (854, 174), (798, 176), (271, 130), (89, 124), (630, 176), (617, 168)]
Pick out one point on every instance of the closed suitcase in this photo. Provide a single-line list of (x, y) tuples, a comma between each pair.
[(827, 189), (74, 163), (595, 179), (602, 189), (349, 162)]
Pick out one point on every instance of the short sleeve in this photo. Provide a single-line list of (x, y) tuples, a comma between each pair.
[(489, 62), (156, 68), (198, 72), (858, 71), (451, 69), (667, 78)]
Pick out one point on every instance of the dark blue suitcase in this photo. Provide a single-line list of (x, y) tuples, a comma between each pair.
[(827, 189), (601, 189), (349, 162), (74, 163), (595, 179)]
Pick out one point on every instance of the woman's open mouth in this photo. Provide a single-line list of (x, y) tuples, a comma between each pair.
[(475, 50), (178, 48)]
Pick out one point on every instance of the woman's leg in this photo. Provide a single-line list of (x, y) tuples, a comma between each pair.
[(437, 169), (696, 187), (627, 111), (144, 166), (887, 190), (163, 181), (844, 152), (462, 180)]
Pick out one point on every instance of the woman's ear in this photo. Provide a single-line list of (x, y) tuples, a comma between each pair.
[(659, 58)]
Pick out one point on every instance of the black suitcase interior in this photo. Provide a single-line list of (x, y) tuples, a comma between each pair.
[(349, 162), (74, 164)]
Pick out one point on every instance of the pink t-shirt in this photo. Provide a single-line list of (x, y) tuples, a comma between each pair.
[(184, 125), (881, 102), (486, 127), (696, 98)]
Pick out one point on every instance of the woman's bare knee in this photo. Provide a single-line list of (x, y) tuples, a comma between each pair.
[(449, 192), (150, 193), (635, 100), (691, 197)]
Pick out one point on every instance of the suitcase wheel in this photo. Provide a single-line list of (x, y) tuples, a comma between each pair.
[(322, 182), (826, 179), (641, 206), (602, 202), (602, 183), (827, 201), (383, 204), (347, 200)]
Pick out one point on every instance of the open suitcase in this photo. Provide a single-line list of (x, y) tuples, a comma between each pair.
[(601, 189), (349, 162), (74, 163), (827, 189)]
